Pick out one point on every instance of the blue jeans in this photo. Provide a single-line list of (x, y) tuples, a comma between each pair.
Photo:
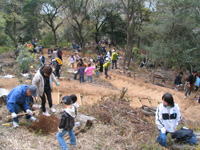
[(75, 76), (61, 140), (89, 77), (97, 73), (17, 108), (81, 78), (162, 139), (106, 72)]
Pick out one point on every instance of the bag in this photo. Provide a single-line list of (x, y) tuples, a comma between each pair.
[(184, 135), (59, 61)]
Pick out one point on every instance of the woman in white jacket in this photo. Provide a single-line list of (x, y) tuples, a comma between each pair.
[(43, 81), (168, 117)]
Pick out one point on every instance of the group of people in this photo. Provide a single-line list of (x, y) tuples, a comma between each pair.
[(34, 47), (192, 83)]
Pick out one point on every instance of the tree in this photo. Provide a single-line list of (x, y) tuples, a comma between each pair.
[(78, 17), (51, 14)]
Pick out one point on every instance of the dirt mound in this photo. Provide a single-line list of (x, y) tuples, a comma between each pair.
[(46, 125)]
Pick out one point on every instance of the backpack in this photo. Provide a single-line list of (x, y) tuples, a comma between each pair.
[(185, 136), (59, 61)]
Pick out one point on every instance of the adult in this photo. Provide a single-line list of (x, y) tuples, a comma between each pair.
[(42, 60), (114, 59), (57, 63), (54, 54), (59, 53), (19, 98), (43, 81), (190, 83), (168, 117)]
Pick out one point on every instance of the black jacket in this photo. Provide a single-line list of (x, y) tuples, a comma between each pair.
[(178, 80), (67, 121)]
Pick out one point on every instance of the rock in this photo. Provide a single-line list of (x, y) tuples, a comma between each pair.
[(84, 119)]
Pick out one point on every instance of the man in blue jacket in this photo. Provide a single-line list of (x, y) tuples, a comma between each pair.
[(18, 99)]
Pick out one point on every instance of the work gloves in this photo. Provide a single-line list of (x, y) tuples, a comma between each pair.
[(58, 84), (29, 112), (14, 115), (163, 130)]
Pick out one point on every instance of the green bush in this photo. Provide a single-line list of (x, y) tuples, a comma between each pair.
[(5, 40), (4, 49), (47, 40)]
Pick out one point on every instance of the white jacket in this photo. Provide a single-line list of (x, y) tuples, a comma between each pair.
[(168, 117), (38, 81)]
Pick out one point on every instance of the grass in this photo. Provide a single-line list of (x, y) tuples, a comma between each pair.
[(4, 49)]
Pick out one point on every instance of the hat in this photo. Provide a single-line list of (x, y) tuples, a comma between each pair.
[(66, 100), (73, 97), (33, 90), (113, 50)]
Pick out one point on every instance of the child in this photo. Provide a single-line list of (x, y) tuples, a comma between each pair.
[(71, 59), (97, 68), (106, 65), (67, 122), (77, 57), (168, 117), (177, 81), (81, 71), (88, 71)]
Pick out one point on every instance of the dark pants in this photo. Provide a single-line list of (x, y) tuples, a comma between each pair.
[(189, 89), (19, 107), (57, 69), (75, 76), (114, 63), (43, 97), (81, 78)]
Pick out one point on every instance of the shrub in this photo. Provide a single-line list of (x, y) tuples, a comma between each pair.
[(47, 40)]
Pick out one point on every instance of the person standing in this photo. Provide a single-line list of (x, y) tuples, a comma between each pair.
[(19, 98), (54, 54), (178, 81), (81, 71), (43, 81), (167, 118), (106, 66), (88, 71), (59, 53), (57, 63), (67, 123), (114, 59), (71, 60), (190, 83)]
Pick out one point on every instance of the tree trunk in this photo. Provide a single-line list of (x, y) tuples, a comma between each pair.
[(14, 32), (54, 35), (153, 73)]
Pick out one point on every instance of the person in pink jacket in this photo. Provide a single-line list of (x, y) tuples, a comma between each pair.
[(88, 72)]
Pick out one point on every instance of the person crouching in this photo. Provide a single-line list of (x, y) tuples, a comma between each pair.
[(168, 117)]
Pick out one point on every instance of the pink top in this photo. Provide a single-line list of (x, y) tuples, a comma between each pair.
[(89, 70)]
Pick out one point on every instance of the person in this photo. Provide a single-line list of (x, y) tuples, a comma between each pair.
[(81, 71), (197, 83), (54, 54), (77, 57), (59, 53), (101, 60), (106, 66), (97, 68), (103, 51), (57, 63), (43, 81), (76, 69), (37, 49), (178, 81), (42, 60), (67, 123), (190, 83), (88, 72), (19, 98), (71, 59), (114, 59), (168, 117)]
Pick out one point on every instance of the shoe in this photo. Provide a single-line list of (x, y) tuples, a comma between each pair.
[(46, 114), (33, 119), (185, 97), (15, 124), (52, 110)]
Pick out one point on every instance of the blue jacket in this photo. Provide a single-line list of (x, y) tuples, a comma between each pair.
[(18, 96), (198, 81)]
